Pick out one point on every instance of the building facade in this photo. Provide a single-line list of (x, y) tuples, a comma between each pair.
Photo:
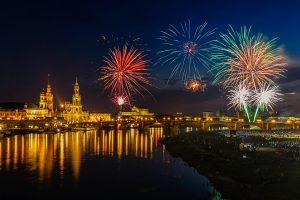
[(97, 117), (12, 111), (138, 113), (73, 111), (35, 113), (49, 98), (45, 107)]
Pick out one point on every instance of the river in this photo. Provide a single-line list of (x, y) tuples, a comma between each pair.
[(97, 164)]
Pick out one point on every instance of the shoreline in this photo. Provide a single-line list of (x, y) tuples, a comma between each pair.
[(238, 173)]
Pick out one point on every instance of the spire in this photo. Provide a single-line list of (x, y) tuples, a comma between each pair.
[(43, 92), (48, 81), (48, 85), (76, 86)]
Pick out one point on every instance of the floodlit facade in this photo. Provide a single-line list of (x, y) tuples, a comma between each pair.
[(138, 113), (7, 114), (73, 110), (45, 108), (97, 117)]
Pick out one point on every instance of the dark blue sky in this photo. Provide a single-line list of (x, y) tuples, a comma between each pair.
[(60, 38)]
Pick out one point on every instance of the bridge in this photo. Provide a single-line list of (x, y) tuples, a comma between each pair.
[(240, 124), (175, 123), (207, 124)]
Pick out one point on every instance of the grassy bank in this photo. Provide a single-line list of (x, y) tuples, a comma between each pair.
[(237, 173)]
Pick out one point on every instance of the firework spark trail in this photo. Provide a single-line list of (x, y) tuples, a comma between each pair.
[(185, 50), (239, 98), (266, 98), (125, 72), (246, 59)]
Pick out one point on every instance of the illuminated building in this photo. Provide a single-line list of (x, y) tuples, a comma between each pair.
[(46, 99), (34, 112), (284, 119), (207, 115), (43, 103), (12, 111), (45, 108), (73, 110), (138, 113), (96, 117), (22, 112), (49, 98)]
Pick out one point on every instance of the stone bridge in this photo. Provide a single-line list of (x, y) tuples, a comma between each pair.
[(126, 124)]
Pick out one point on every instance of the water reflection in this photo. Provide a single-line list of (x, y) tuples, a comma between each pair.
[(42, 153)]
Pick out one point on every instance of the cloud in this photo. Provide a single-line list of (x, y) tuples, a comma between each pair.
[(290, 104), (293, 61), (290, 86)]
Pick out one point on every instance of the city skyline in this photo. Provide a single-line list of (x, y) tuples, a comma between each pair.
[(150, 99), (65, 45)]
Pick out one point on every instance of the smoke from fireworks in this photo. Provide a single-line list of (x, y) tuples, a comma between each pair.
[(185, 50), (111, 40), (125, 72), (247, 59)]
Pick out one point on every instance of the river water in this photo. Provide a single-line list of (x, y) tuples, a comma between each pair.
[(95, 164)]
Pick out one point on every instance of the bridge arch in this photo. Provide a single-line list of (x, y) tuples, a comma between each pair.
[(249, 126), (217, 126)]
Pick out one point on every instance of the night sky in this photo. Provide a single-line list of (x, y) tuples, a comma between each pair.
[(61, 38)]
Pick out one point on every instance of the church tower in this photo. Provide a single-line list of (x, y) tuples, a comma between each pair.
[(49, 96), (43, 103), (73, 110), (76, 99)]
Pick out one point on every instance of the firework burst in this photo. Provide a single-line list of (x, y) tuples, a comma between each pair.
[(125, 72), (185, 50), (120, 101), (239, 97), (246, 59), (195, 85), (267, 97)]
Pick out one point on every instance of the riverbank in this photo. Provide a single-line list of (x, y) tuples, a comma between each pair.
[(238, 172)]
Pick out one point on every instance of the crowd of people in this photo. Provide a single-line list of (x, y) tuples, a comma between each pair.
[(285, 142)]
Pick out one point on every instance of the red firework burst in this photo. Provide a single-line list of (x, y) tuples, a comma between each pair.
[(125, 71)]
